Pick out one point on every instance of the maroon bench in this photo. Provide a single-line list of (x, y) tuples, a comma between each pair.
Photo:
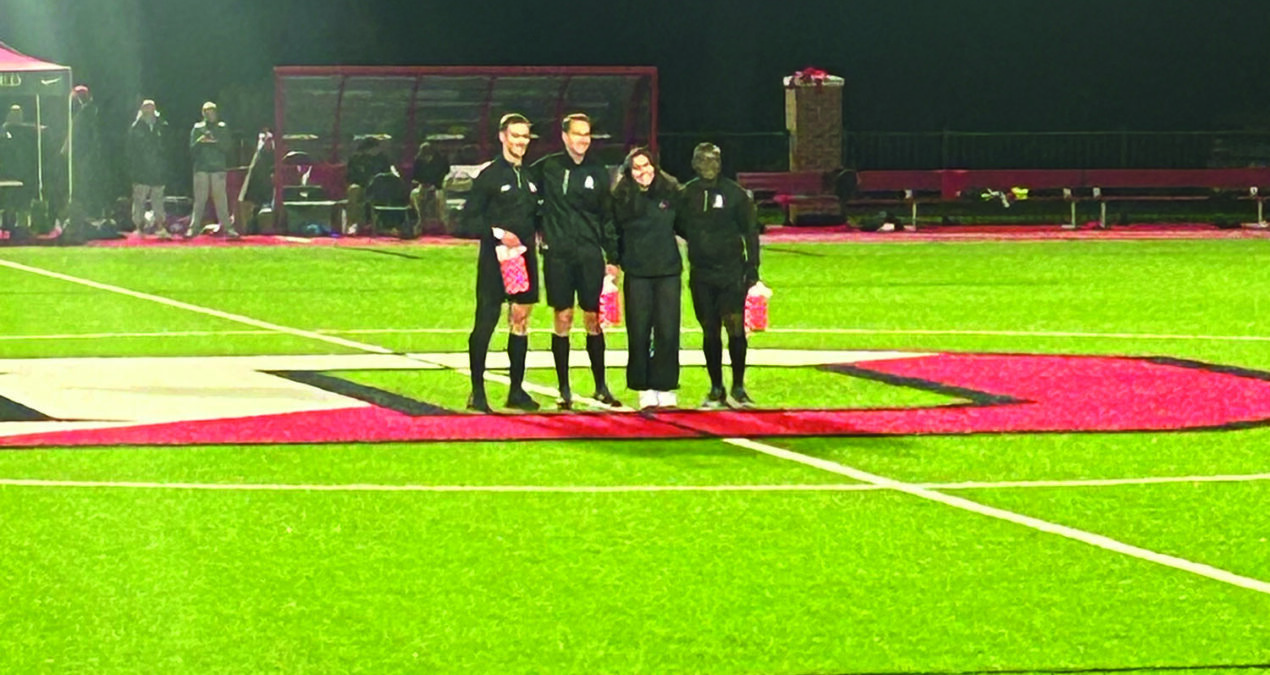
[(797, 193)]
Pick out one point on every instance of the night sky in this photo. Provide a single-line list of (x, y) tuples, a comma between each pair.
[(910, 65)]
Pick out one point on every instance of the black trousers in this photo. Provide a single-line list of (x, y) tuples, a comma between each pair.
[(652, 332)]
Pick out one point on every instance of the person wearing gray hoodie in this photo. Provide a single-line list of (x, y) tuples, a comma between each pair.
[(210, 144)]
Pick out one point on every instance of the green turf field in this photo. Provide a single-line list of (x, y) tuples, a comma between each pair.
[(898, 553)]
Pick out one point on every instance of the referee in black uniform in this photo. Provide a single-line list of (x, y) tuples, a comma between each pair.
[(502, 209), (716, 217), (579, 246)]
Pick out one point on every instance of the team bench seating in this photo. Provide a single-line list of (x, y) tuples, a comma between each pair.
[(1072, 185), (803, 196), (1137, 185)]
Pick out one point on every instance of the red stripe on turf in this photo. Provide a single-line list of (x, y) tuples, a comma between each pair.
[(365, 424), (1061, 394), (1053, 394), (264, 240)]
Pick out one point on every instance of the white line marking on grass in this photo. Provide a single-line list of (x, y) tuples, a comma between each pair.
[(1090, 538), (1021, 333), (685, 329), (1096, 540), (359, 487), (238, 318), (287, 330), (1095, 482), (795, 487), (111, 336)]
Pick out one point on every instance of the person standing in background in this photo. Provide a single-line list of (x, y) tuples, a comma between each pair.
[(210, 144), (147, 167)]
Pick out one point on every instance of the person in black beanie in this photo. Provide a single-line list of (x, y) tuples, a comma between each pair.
[(579, 248), (644, 217), (501, 208), (716, 217)]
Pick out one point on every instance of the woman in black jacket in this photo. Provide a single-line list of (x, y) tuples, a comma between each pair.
[(644, 216)]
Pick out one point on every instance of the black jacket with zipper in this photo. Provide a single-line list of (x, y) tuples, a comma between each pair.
[(718, 221), (502, 196), (645, 223), (575, 207)]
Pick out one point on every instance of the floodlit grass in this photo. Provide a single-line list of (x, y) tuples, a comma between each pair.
[(697, 579)]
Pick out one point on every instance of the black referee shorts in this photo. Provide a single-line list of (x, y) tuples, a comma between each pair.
[(489, 279), (577, 276), (713, 301)]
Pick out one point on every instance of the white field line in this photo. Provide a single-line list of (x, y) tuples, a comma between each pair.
[(587, 489), (206, 311), (686, 329), (928, 494), (286, 330)]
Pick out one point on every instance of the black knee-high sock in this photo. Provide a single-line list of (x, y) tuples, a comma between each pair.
[(737, 347), (560, 353), (712, 345), (595, 350), (477, 346), (517, 348)]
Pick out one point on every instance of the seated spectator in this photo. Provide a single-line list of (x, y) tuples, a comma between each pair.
[(366, 162), (388, 197), (18, 163), (428, 174)]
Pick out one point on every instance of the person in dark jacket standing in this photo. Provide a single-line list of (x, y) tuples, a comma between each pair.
[(579, 248), (210, 144), (147, 166), (644, 217), (716, 217), (501, 208), (84, 144)]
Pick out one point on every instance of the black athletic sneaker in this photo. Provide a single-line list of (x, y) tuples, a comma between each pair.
[(741, 398), (478, 403), (716, 399), (521, 400), (603, 395)]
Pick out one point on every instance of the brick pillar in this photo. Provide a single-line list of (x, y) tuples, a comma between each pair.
[(813, 117)]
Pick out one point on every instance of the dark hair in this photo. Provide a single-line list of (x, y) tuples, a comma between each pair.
[(664, 185), (573, 117), (510, 119)]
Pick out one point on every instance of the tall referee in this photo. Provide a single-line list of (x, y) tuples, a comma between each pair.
[(503, 199), (579, 246)]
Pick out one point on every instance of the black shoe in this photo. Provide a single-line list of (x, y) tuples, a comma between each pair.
[(716, 399), (478, 403), (521, 400), (741, 398), (603, 395), (565, 402)]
